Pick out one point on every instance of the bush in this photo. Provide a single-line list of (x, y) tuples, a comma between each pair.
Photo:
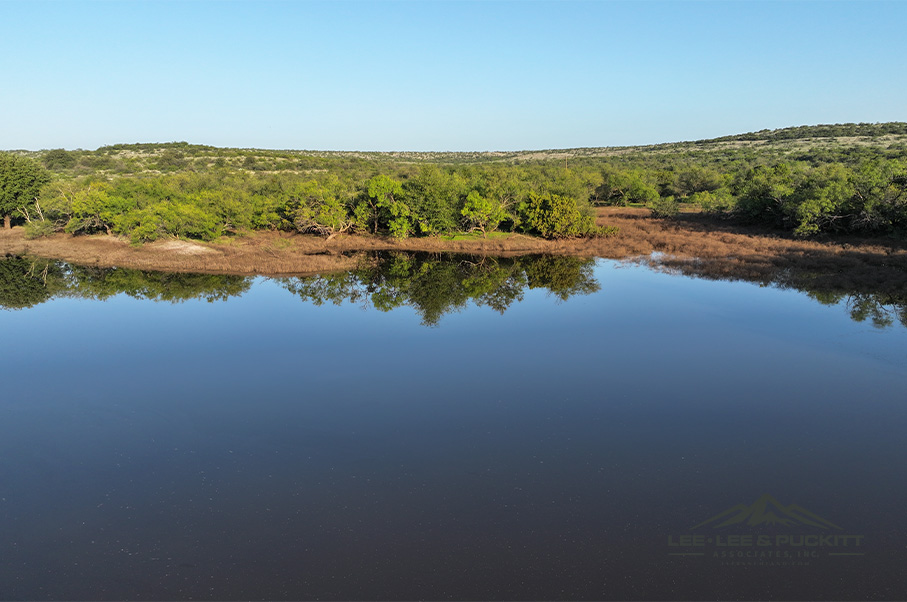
[(664, 206), (39, 229), (21, 181), (59, 158), (622, 187), (482, 214), (434, 197), (719, 201), (764, 193), (555, 216), (160, 219)]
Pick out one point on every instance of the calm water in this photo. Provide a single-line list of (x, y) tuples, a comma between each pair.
[(455, 428)]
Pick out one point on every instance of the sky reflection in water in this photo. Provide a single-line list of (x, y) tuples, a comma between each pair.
[(268, 447)]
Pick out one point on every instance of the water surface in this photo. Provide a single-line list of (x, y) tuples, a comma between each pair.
[(424, 427)]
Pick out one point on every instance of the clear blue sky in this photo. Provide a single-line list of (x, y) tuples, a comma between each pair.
[(441, 75)]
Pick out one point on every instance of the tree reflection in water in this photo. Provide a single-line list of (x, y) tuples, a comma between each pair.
[(432, 284)]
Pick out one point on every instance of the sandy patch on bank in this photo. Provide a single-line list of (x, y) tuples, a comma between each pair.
[(182, 247)]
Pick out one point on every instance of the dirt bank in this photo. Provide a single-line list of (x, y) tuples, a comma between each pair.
[(691, 242)]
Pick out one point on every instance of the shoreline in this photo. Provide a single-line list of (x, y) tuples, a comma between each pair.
[(690, 243), (262, 253)]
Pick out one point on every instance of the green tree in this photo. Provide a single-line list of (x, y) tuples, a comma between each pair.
[(880, 195), (167, 218), (433, 196), (555, 216), (821, 200), (765, 193), (21, 180), (718, 201), (482, 214), (95, 209), (624, 186), (386, 204), (317, 210), (695, 178), (59, 158)]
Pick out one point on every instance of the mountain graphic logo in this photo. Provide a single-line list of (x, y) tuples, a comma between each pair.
[(767, 511)]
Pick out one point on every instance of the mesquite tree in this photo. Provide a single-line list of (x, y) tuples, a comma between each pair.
[(21, 180)]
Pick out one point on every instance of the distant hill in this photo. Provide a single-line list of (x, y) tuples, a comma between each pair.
[(838, 130), (847, 142)]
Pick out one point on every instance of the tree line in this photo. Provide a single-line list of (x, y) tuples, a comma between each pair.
[(426, 201), (821, 184)]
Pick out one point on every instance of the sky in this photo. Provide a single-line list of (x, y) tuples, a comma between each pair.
[(445, 76)]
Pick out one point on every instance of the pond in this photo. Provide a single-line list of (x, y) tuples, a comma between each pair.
[(451, 428)]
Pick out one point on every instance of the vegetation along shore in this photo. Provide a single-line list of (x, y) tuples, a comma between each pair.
[(833, 197)]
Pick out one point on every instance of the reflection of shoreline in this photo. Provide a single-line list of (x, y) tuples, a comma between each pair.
[(870, 281), (438, 284), (874, 292), (830, 270), (432, 284)]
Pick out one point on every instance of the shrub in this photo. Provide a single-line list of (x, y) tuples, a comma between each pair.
[(622, 187), (160, 219), (555, 216), (482, 214), (59, 158), (664, 206), (39, 229), (718, 201), (764, 193)]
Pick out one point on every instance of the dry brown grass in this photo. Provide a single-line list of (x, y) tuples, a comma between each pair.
[(250, 255), (705, 246)]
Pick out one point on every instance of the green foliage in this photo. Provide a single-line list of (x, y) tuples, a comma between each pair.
[(482, 214), (880, 196), (433, 196), (693, 179), (59, 158), (167, 218), (554, 216), (830, 197), (94, 209), (819, 199), (21, 180), (317, 210), (718, 201), (391, 210), (664, 206), (624, 186), (782, 178), (39, 229), (96, 161), (171, 160), (363, 217), (763, 193), (821, 131)]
